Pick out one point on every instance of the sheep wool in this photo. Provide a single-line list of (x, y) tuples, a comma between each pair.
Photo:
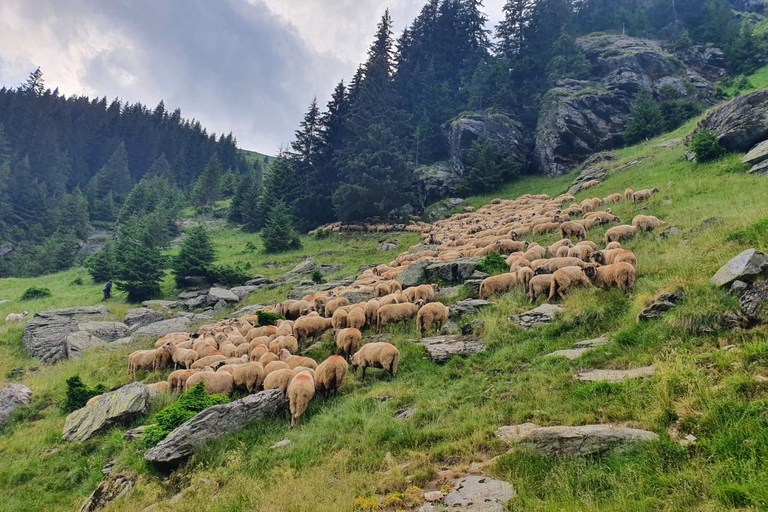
[(330, 374)]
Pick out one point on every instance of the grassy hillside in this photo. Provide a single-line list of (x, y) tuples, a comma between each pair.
[(252, 156), (340, 451)]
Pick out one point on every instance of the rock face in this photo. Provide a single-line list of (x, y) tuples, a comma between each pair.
[(754, 299), (469, 307), (414, 274), (215, 422), (11, 397), (746, 267), (451, 272), (157, 329), (220, 294), (544, 314), (479, 494), (660, 306), (579, 118), (45, 336), (615, 375), (105, 331), (709, 62), (107, 410), (581, 441), (579, 348), (437, 181), (589, 175), (442, 348), (301, 290), (109, 490), (140, 317), (741, 123)]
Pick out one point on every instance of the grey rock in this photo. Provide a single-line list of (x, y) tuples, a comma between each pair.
[(450, 272), (414, 274), (386, 246), (754, 300), (705, 224), (107, 410), (355, 297), (162, 328), (741, 123), (215, 422), (669, 233), (204, 316), (106, 331), (446, 291), (160, 304), (195, 281), (472, 288), (297, 292), (582, 441), (80, 341), (243, 291), (660, 306), (747, 266), (45, 334), (760, 169), (739, 287), (248, 310), (108, 467), (405, 414), (184, 314), (192, 294), (469, 307), (280, 444), (477, 275), (135, 433), (433, 496), (12, 397), (220, 294), (259, 281), (707, 61), (442, 348), (109, 490), (219, 307), (544, 314), (473, 327), (422, 248), (569, 353), (139, 317), (195, 302), (477, 493), (615, 375), (593, 343), (436, 181), (588, 174), (757, 154), (450, 327)]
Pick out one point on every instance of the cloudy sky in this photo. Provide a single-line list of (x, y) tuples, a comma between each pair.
[(246, 66)]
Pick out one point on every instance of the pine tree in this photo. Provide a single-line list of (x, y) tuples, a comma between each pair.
[(161, 169), (196, 255), (102, 264), (139, 265), (279, 234), (72, 215), (206, 190), (511, 31), (35, 84), (645, 119)]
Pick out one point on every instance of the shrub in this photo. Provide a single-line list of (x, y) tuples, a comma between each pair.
[(645, 120), (279, 234), (186, 407), (78, 281), (706, 147), (267, 318), (101, 265), (195, 256), (78, 394), (230, 275), (34, 292), (493, 264), (317, 277)]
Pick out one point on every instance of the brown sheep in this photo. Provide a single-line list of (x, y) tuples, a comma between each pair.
[(267, 358), (626, 257), (613, 198), (274, 366), (562, 252), (257, 351), (619, 275), (424, 292), (396, 313), (215, 382), (348, 341), (377, 355), (248, 376), (643, 194), (493, 285), (207, 361), (572, 229), (551, 265), (603, 218), (279, 379), (339, 319), (535, 252), (159, 387), (331, 306), (371, 307), (178, 379), (647, 222), (432, 313), (587, 243), (300, 392), (310, 327), (183, 357), (538, 286), (580, 251), (565, 278), (381, 290), (613, 245), (150, 360), (619, 233), (510, 246), (628, 194), (284, 342), (547, 227), (294, 361), (524, 276), (552, 249), (330, 375), (356, 318)]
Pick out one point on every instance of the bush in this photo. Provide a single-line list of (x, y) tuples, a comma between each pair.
[(267, 318), (78, 281), (706, 147), (186, 407), (230, 275), (279, 234), (34, 292), (195, 256), (317, 277), (493, 264), (101, 265), (645, 120), (78, 394)]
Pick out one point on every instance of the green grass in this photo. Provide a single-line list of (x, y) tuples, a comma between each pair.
[(338, 452)]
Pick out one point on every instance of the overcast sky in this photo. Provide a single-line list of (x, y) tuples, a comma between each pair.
[(246, 66)]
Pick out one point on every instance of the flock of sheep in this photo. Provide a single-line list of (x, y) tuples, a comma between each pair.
[(235, 354)]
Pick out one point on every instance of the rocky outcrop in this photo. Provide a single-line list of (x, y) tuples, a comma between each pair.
[(215, 422), (544, 314), (741, 123), (139, 317), (107, 410), (753, 300), (413, 275), (220, 294), (451, 272), (437, 181), (660, 306), (12, 397), (473, 493), (105, 331), (442, 348), (746, 267), (157, 329), (469, 307), (109, 490), (615, 375), (45, 336), (707, 61), (579, 118)]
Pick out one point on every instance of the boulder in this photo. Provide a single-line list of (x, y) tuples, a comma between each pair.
[(192, 294), (580, 441), (243, 291), (469, 307), (220, 294), (451, 272), (591, 173), (109, 490), (358, 296), (746, 267), (740, 124), (157, 329), (757, 154), (80, 341), (544, 314), (248, 310), (297, 292), (579, 348), (12, 397), (194, 303), (386, 246), (472, 288), (107, 410), (105, 331), (139, 317), (760, 169), (660, 306), (414, 274), (477, 493), (442, 348), (753, 300), (160, 304), (615, 375), (215, 422), (436, 181), (46, 333)]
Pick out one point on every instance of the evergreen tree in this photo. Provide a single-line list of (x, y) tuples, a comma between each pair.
[(161, 169), (279, 234), (487, 169), (114, 177), (72, 215), (103, 264), (139, 265), (645, 119), (511, 31), (196, 255), (228, 183), (206, 190), (245, 197), (35, 84)]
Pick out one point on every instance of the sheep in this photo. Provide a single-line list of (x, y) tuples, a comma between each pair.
[(177, 380), (552, 249), (510, 246), (330, 375), (396, 313), (626, 257), (572, 229), (257, 351), (159, 387), (284, 342), (628, 194), (395, 286), (377, 355), (294, 361), (580, 251), (348, 341), (643, 194), (613, 198), (279, 379), (587, 243), (621, 275), (215, 382), (300, 392), (207, 361), (248, 376), (424, 292), (339, 319), (535, 252), (267, 330), (589, 184), (183, 356), (293, 309), (228, 349), (503, 283), (371, 307), (539, 285), (432, 313), (619, 233), (331, 306), (562, 252), (647, 222), (565, 278), (613, 245), (547, 227), (551, 265), (310, 327), (356, 317), (603, 217), (13, 318), (381, 290), (274, 366), (267, 358), (150, 360), (524, 276)]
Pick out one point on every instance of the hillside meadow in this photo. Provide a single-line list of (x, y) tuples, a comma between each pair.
[(352, 446)]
